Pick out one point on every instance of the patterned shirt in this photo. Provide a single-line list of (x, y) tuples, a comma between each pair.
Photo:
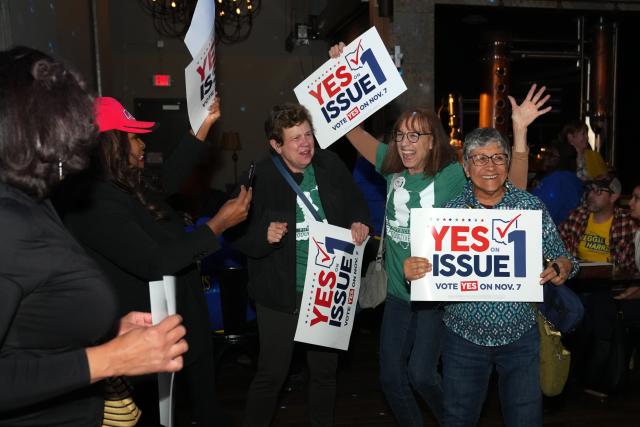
[(623, 228), (491, 323)]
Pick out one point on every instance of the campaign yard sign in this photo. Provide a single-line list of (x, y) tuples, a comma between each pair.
[(478, 254), (199, 75), (330, 295), (346, 90)]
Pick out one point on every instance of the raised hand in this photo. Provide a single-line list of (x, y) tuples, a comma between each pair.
[(212, 117), (336, 50), (530, 109)]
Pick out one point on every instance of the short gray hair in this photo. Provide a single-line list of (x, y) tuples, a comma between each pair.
[(482, 137)]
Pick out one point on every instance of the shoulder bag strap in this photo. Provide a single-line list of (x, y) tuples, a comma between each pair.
[(276, 160), (384, 221)]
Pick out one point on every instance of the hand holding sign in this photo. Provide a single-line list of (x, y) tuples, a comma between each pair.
[(336, 50), (416, 267), (209, 120), (199, 75), (348, 88), (359, 232)]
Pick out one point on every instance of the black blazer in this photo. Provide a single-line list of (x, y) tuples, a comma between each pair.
[(133, 248), (272, 268)]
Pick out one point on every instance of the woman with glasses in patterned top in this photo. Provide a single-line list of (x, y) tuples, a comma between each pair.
[(421, 170), (486, 334)]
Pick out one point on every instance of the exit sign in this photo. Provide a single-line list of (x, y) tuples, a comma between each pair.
[(162, 80)]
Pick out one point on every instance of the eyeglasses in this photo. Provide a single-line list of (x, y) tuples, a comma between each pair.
[(411, 136), (482, 159), (598, 190)]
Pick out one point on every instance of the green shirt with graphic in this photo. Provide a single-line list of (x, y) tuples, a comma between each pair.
[(309, 188), (406, 192)]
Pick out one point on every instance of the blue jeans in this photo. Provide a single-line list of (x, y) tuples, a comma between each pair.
[(409, 352), (466, 368)]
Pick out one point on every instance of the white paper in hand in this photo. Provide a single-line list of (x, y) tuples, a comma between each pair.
[(163, 304)]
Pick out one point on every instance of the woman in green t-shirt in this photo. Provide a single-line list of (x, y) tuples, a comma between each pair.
[(421, 170)]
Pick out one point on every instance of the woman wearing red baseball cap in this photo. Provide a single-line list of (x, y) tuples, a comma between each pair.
[(135, 236)]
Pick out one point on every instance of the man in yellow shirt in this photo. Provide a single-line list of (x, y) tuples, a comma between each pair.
[(598, 230)]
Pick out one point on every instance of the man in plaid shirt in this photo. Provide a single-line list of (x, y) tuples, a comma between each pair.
[(598, 230)]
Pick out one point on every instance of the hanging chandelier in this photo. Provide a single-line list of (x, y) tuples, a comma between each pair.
[(234, 18)]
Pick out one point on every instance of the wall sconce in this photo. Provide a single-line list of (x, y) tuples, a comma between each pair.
[(302, 34), (234, 18), (231, 142)]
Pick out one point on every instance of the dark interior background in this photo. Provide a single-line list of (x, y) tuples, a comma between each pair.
[(461, 43)]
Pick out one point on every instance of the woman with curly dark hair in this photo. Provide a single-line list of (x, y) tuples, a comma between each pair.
[(57, 310), (134, 235)]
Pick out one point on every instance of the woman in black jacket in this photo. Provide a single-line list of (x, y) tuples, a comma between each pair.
[(135, 237), (275, 239), (57, 310)]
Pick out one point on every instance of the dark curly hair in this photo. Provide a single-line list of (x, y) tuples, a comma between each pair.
[(46, 117), (114, 152), (285, 116)]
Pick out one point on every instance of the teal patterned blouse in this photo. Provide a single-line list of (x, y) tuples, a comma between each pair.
[(499, 323)]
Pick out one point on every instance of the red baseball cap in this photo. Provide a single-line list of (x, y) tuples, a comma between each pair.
[(110, 115)]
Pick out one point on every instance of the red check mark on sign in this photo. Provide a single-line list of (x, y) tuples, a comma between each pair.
[(503, 232), (326, 255), (357, 59)]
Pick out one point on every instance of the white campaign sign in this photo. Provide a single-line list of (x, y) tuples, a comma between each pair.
[(330, 295), (199, 76), (478, 254), (204, 17), (346, 90)]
